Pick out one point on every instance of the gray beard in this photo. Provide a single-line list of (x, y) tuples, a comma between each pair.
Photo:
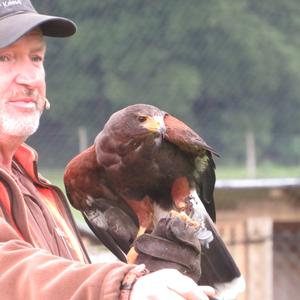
[(20, 126)]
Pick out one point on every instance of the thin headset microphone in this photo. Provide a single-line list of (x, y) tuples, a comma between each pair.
[(47, 104)]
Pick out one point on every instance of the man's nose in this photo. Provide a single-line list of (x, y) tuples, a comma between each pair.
[(29, 76)]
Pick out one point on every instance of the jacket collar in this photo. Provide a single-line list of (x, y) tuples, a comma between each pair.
[(27, 157)]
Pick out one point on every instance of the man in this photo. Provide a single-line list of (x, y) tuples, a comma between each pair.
[(41, 254)]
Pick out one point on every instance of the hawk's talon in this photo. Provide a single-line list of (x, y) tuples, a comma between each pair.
[(189, 209), (185, 218)]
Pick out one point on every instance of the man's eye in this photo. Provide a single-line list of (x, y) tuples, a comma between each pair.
[(37, 58), (4, 58)]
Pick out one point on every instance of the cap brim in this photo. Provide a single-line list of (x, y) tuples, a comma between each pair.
[(15, 26)]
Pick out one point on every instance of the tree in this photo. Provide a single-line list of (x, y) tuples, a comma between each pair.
[(223, 66)]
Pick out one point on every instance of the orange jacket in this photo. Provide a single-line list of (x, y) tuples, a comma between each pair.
[(28, 268)]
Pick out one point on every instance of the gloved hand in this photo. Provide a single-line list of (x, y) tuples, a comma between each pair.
[(172, 244)]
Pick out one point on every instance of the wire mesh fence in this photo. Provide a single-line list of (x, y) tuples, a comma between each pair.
[(229, 69)]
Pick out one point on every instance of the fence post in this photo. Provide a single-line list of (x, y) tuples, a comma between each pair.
[(260, 259), (250, 154), (83, 138), (233, 233)]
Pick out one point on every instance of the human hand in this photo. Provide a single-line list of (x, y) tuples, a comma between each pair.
[(169, 284)]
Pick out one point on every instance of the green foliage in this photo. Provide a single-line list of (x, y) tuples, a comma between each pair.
[(225, 67)]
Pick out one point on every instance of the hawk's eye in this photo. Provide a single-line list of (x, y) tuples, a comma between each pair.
[(142, 118)]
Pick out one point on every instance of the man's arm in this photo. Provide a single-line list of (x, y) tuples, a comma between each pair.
[(32, 273)]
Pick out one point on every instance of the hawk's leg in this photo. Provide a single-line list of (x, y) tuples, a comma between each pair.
[(144, 211), (181, 196)]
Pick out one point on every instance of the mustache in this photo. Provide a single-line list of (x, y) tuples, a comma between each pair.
[(24, 92)]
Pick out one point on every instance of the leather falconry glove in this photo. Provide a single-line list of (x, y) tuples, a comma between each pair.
[(172, 244)]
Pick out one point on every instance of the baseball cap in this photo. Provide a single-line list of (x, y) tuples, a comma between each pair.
[(17, 17)]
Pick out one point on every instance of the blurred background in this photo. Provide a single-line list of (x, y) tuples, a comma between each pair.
[(229, 69)]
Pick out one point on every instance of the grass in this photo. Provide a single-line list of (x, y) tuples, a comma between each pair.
[(55, 176), (263, 171)]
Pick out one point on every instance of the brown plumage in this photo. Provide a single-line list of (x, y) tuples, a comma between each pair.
[(143, 164)]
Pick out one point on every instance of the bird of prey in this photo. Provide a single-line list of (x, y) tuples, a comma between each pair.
[(142, 165)]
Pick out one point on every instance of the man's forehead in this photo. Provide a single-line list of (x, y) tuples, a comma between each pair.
[(35, 32), (36, 36)]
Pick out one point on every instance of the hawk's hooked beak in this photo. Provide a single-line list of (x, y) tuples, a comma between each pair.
[(155, 125)]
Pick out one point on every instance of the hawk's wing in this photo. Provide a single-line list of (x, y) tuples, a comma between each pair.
[(190, 142), (108, 216)]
